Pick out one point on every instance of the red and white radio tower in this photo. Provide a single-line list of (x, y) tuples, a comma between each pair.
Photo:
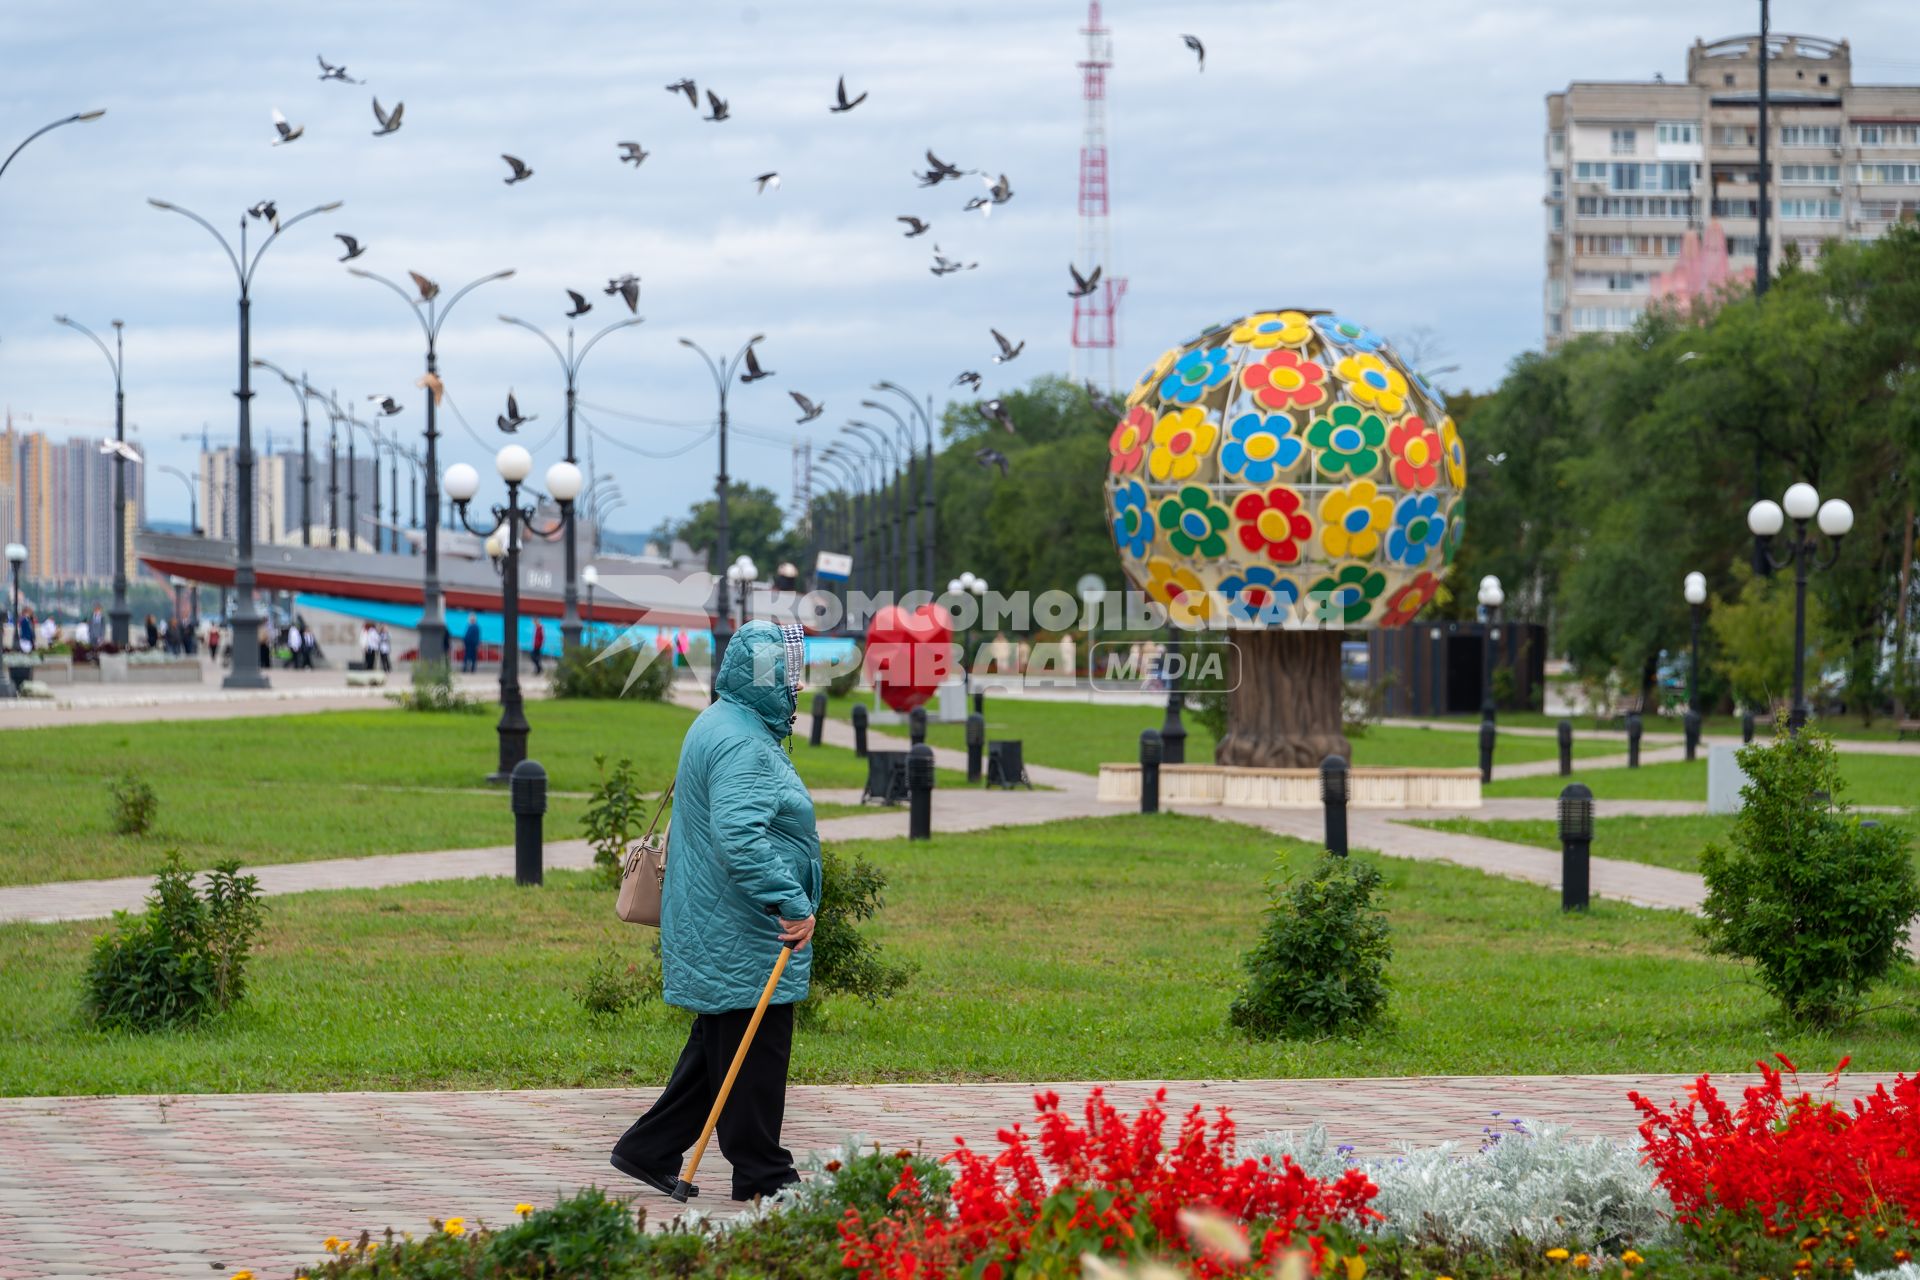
[(1094, 316)]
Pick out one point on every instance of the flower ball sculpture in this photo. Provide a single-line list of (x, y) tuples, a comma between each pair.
[(1286, 475)]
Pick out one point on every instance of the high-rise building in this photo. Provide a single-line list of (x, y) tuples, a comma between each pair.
[(276, 492), (56, 497), (1644, 177)]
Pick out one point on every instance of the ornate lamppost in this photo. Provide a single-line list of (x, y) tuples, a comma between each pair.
[(723, 372), (301, 391), (924, 413), (741, 575), (77, 117), (1492, 596), (118, 615), (1695, 589), (1765, 518), (591, 576)]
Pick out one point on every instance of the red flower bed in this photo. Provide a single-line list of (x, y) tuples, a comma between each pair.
[(1788, 1159), (1111, 1186)]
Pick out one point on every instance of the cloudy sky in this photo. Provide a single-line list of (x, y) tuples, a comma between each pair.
[(1384, 160)]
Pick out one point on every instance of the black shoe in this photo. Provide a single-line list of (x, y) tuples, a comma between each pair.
[(664, 1183)]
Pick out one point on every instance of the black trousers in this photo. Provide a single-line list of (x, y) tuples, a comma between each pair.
[(749, 1128)]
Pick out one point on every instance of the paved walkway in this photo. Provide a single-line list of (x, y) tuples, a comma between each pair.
[(202, 1185)]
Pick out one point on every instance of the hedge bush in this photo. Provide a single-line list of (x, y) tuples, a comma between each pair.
[(1320, 965), (181, 960)]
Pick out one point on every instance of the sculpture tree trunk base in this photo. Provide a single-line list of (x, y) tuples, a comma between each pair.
[(1285, 712)]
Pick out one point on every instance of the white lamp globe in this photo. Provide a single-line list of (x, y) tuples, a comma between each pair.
[(496, 544), (1801, 500), (1696, 588), (16, 554), (1765, 518), (513, 463), (965, 581), (590, 576), (1495, 597), (1491, 580), (749, 571), (461, 482), (1836, 517), (955, 587), (979, 586), (564, 481)]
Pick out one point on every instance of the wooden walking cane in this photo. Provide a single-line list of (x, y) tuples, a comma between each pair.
[(685, 1186)]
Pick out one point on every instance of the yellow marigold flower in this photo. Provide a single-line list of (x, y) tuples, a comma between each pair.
[(243, 1275), (455, 1226), (1581, 1260), (1632, 1258), (1556, 1255), (1356, 1267), (523, 1208), (331, 1244)]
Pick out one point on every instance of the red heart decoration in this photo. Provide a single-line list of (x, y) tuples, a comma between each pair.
[(909, 655)]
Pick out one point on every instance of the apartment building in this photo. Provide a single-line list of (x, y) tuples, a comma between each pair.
[(56, 497), (1637, 172)]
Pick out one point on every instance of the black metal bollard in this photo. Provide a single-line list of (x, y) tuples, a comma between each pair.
[(1746, 727), (917, 725), (976, 743), (1333, 794), (860, 729), (1173, 735), (1566, 747), (1149, 771), (920, 792), (1487, 734), (819, 719), (980, 702), (1634, 730), (1692, 723), (1576, 844), (527, 786)]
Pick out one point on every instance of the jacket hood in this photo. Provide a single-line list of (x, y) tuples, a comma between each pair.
[(754, 674)]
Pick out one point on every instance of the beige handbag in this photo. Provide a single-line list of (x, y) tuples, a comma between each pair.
[(644, 872)]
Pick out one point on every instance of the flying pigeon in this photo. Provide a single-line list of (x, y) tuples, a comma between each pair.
[(1200, 50), (632, 153), (914, 226), (719, 104), (330, 72), (266, 211), (352, 246), (580, 305), (1082, 285), (1102, 402), (520, 171), (388, 406), (512, 420), (931, 178), (968, 379), (120, 449), (428, 289), (984, 205), (628, 287), (989, 457), (1007, 349), (940, 167), (288, 132), (945, 266), (995, 410), (767, 181), (1001, 191), (754, 372), (686, 87), (843, 104), (431, 382), (808, 409), (1497, 458), (389, 120)]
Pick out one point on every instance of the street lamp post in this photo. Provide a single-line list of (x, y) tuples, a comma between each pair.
[(1695, 589), (333, 465), (118, 615), (743, 573), (301, 392), (514, 464), (16, 557), (432, 314), (246, 672), (1491, 598), (193, 496), (925, 414), (570, 363), (913, 466), (884, 457), (723, 373), (847, 476), (77, 117), (1765, 518), (968, 583), (591, 576)]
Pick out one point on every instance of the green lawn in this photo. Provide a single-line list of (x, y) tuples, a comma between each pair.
[(336, 784), (1102, 949), (1082, 735), (1887, 780), (1662, 841)]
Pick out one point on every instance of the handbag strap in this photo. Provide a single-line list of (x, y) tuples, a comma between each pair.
[(660, 808)]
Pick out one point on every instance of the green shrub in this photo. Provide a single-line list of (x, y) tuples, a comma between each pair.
[(845, 960), (182, 959), (1817, 902), (617, 814), (433, 690), (613, 985), (134, 806), (611, 673), (1320, 965), (847, 681)]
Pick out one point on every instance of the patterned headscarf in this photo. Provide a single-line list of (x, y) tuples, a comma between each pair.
[(795, 638)]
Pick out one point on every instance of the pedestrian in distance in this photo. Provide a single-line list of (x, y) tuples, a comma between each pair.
[(369, 646), (153, 633), (743, 882), (470, 644), (539, 642), (386, 650)]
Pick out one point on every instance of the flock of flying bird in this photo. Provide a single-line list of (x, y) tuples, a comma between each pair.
[(627, 287)]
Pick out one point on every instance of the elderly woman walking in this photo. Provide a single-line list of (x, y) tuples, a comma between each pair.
[(742, 881)]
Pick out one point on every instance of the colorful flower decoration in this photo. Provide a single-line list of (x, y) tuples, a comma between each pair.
[(1418, 528), (1180, 589), (1128, 443), (1372, 381), (1348, 333), (1456, 530), (1195, 523), (1351, 520), (1346, 595), (1259, 595), (1455, 452), (1133, 526), (1349, 439), (1181, 439), (1409, 600), (1427, 389), (1273, 523), (1259, 448), (1270, 329), (1415, 447), (1285, 380), (1151, 378), (1196, 373)]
